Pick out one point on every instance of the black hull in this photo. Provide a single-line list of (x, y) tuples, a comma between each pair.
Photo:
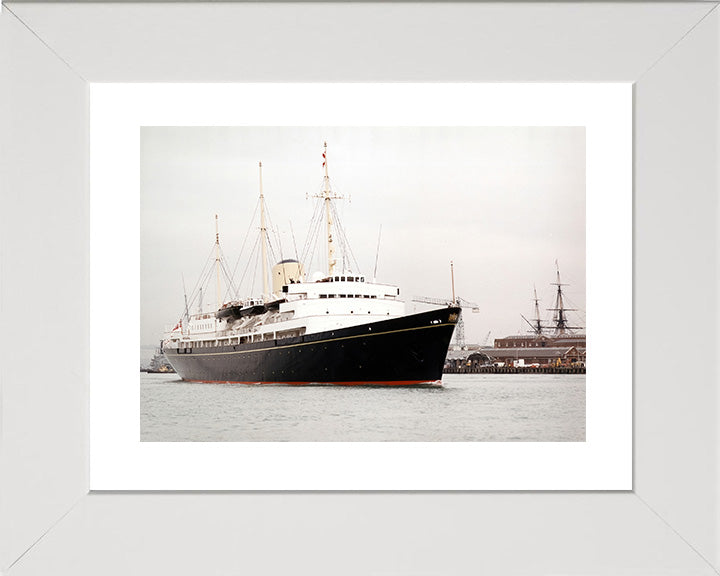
[(401, 351)]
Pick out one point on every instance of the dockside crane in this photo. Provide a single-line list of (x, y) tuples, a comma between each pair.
[(460, 326)]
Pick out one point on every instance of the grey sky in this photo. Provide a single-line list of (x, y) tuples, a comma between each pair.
[(502, 203)]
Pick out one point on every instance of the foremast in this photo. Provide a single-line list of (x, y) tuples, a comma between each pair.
[(263, 240), (537, 325)]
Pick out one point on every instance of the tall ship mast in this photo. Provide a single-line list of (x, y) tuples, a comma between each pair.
[(536, 324), (338, 328), (560, 320), (554, 334)]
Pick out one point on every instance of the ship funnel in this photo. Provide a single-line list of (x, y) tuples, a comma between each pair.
[(286, 272)]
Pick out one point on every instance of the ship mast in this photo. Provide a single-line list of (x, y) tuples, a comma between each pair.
[(328, 215), (184, 325), (217, 260), (328, 195), (452, 280), (560, 318), (538, 325), (263, 238)]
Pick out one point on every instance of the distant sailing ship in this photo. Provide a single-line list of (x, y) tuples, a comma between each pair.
[(556, 333), (338, 328)]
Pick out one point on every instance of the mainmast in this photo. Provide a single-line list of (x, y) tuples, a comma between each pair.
[(263, 239), (217, 260), (327, 196), (560, 318)]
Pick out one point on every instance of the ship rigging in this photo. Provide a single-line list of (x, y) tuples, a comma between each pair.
[(560, 324)]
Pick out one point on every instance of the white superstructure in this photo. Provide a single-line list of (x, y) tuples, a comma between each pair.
[(342, 300), (305, 308)]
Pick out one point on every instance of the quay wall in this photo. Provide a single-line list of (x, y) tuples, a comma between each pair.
[(515, 370)]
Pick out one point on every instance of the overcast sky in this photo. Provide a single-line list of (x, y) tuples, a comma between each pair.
[(503, 203)]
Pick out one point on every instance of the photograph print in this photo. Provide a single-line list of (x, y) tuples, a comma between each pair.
[(362, 284)]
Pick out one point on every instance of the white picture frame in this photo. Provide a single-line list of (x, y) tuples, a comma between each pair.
[(668, 524), (119, 460)]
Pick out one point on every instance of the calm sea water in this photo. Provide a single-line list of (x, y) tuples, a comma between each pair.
[(467, 407)]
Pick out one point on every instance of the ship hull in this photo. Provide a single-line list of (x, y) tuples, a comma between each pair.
[(409, 350)]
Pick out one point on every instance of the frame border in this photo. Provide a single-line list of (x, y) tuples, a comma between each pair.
[(692, 60)]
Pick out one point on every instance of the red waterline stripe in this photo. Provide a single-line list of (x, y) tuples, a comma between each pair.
[(388, 383)]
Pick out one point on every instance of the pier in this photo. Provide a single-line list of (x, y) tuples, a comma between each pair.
[(515, 370)]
